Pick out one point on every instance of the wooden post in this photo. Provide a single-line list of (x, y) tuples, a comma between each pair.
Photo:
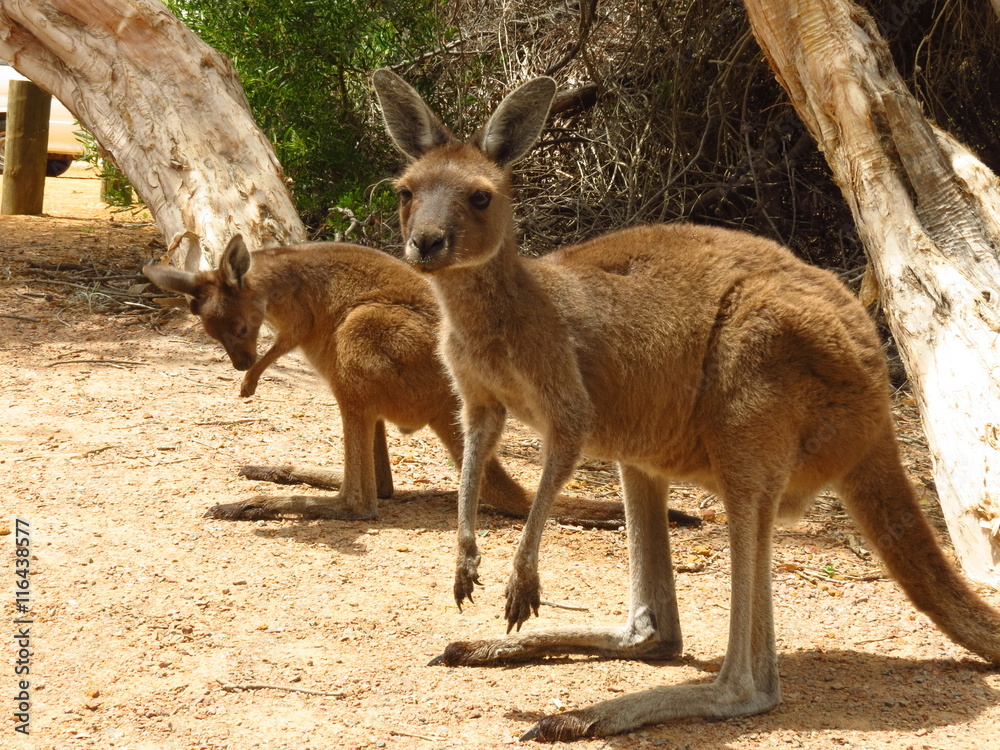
[(27, 149)]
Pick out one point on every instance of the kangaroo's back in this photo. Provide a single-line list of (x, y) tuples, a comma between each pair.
[(681, 331), (314, 285)]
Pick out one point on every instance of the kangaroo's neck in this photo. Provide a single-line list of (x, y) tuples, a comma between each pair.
[(485, 295), (282, 286)]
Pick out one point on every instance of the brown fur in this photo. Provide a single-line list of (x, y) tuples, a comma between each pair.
[(679, 351), (368, 324)]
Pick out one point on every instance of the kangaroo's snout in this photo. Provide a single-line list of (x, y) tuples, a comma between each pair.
[(241, 358), (426, 246), (242, 361)]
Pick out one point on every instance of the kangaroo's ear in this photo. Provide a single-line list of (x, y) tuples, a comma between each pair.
[(235, 261), (518, 121), (172, 279), (412, 126)]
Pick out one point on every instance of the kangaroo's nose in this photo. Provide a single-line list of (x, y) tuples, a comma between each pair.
[(425, 244)]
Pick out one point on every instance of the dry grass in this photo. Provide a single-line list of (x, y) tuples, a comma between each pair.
[(689, 122)]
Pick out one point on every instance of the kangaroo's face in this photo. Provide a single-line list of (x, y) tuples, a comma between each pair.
[(455, 197), (229, 308), (454, 208), (231, 316)]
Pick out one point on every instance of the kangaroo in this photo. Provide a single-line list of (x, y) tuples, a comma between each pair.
[(679, 351), (367, 323)]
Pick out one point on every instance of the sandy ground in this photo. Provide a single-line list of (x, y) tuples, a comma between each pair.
[(153, 627)]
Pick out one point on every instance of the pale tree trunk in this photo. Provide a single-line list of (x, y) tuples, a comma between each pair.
[(928, 212), (168, 109)]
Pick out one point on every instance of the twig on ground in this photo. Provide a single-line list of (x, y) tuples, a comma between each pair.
[(24, 318), (231, 687), (876, 640), (67, 456), (232, 421), (557, 605), (59, 318), (108, 362), (428, 737)]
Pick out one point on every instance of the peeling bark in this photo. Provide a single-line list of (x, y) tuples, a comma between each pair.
[(928, 212), (169, 110)]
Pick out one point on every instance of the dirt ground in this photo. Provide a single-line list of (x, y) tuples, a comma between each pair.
[(155, 628)]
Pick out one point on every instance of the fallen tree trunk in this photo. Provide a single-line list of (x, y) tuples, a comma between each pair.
[(928, 212), (169, 110)]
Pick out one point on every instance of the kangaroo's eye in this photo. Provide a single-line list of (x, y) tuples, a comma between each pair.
[(404, 195), (480, 199), (242, 333)]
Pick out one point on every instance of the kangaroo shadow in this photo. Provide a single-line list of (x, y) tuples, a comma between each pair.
[(838, 690)]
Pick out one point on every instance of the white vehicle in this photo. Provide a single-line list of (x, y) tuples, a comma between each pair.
[(63, 144)]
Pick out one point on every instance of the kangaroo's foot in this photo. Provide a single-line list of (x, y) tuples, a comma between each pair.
[(578, 511), (605, 514), (718, 700), (300, 506), (322, 479), (639, 639), (314, 476), (681, 518)]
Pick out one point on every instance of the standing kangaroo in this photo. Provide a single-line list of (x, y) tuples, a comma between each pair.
[(367, 323), (679, 351)]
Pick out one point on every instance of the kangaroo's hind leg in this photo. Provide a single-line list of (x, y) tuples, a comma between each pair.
[(356, 499), (653, 627), (327, 479), (748, 681)]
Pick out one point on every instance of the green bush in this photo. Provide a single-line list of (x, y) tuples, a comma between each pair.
[(304, 65)]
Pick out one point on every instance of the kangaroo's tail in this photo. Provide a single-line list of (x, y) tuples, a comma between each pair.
[(881, 499)]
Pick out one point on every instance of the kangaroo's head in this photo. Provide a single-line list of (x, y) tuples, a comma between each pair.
[(230, 311), (454, 198)]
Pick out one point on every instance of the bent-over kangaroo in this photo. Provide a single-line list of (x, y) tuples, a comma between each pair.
[(367, 323), (681, 352)]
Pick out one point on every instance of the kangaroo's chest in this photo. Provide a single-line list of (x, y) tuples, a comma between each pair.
[(486, 369)]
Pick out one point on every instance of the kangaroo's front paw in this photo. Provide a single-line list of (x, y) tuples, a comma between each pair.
[(523, 597), (466, 579), (249, 386)]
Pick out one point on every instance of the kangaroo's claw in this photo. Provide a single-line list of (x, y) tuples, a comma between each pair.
[(564, 727), (523, 599), (464, 586)]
